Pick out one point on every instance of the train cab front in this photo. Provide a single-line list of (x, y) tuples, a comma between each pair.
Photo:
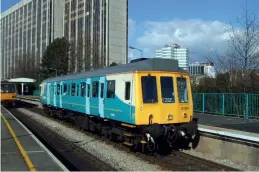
[(168, 108)]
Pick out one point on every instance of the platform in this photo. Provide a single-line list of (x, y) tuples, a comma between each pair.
[(233, 123), (21, 150)]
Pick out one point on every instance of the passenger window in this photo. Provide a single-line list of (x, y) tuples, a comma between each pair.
[(167, 89), (58, 89), (51, 90), (83, 89), (65, 88), (68, 90), (149, 89), (61, 90), (127, 90), (55, 89), (73, 89), (77, 90), (182, 90), (88, 90), (111, 89), (102, 89), (95, 89)]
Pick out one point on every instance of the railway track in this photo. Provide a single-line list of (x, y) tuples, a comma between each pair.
[(177, 161)]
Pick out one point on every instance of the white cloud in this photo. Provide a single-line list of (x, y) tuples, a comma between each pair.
[(197, 35)]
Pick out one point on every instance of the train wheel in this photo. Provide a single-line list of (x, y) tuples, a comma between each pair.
[(196, 140)]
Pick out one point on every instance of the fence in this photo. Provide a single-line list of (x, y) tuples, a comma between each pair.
[(231, 104)]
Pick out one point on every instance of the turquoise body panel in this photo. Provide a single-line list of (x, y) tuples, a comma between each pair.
[(101, 106)]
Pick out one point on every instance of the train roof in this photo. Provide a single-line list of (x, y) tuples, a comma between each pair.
[(150, 64)]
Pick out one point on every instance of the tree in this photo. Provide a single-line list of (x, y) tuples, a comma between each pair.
[(244, 44), (25, 66), (56, 57), (113, 64), (242, 58)]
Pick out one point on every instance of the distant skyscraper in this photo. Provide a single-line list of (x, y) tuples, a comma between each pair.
[(175, 52), (198, 69)]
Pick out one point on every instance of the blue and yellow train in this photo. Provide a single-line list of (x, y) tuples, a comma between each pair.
[(146, 103)]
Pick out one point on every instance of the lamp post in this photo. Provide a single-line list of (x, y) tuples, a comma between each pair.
[(131, 47)]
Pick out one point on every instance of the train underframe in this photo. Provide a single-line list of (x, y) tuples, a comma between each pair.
[(153, 138)]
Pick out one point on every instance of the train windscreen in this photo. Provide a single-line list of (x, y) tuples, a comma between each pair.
[(182, 90), (167, 89), (7, 88), (149, 89)]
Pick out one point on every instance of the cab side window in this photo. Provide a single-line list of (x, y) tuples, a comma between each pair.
[(127, 90)]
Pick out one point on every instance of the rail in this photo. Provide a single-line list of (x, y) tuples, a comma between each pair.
[(220, 133)]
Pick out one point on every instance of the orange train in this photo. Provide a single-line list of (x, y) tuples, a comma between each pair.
[(8, 93)]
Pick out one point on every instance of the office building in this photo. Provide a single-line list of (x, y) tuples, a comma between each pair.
[(174, 51), (26, 30), (202, 69), (29, 26), (97, 31)]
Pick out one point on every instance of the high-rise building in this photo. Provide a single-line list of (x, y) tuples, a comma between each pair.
[(202, 69), (174, 51), (96, 29), (26, 29)]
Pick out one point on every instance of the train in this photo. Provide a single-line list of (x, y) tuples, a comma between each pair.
[(8, 93), (145, 104)]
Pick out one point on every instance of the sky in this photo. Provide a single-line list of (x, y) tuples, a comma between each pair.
[(199, 25)]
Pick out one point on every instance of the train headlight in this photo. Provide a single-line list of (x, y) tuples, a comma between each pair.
[(170, 117)]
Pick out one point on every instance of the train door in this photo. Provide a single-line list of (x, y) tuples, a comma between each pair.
[(60, 93), (101, 97), (87, 97), (128, 96), (55, 94), (48, 93), (51, 94)]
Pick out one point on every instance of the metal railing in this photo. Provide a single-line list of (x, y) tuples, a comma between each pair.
[(227, 104)]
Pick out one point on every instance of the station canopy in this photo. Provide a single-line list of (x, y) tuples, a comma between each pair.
[(22, 80)]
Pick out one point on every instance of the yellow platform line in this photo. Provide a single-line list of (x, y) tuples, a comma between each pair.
[(21, 149)]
